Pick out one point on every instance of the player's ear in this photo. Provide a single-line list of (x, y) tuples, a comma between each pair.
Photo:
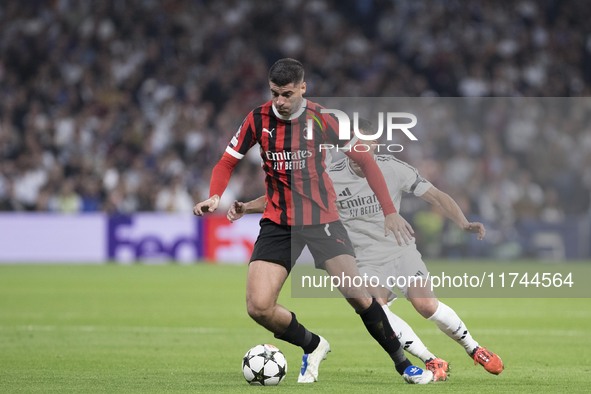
[(303, 87)]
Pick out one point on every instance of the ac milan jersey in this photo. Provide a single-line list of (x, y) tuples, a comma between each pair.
[(299, 191), (358, 206)]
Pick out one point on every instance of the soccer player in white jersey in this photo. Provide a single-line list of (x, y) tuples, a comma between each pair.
[(379, 256)]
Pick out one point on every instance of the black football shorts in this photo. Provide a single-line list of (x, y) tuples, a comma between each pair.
[(284, 244)]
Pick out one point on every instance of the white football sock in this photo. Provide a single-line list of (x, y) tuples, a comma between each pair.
[(450, 323), (407, 337)]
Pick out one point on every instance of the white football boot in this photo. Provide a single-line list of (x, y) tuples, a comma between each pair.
[(311, 362), (416, 375)]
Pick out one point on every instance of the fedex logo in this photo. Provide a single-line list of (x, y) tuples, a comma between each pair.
[(184, 238), (154, 237), (230, 242)]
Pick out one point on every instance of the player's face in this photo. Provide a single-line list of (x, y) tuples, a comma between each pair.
[(287, 99)]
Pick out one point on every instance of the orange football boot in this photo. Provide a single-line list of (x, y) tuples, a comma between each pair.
[(490, 361), (439, 367)]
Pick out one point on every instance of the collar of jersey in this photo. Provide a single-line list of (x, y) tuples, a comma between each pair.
[(351, 169), (292, 116)]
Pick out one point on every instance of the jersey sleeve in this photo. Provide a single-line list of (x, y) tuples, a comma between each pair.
[(244, 139), (221, 173), (240, 143), (410, 179), (374, 178)]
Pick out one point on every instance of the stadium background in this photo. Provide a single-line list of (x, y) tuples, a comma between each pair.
[(123, 106)]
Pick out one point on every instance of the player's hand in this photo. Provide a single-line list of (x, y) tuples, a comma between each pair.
[(476, 228), (209, 205), (236, 211), (398, 226)]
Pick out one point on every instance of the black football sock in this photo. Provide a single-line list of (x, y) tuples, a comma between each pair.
[(377, 324), (298, 335)]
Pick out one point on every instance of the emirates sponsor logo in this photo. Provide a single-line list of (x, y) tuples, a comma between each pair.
[(288, 155)]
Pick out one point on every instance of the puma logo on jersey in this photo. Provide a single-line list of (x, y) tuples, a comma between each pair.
[(270, 132), (345, 193)]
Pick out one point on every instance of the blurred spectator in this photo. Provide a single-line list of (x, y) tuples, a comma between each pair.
[(121, 106), (91, 197), (68, 200), (174, 197), (551, 212)]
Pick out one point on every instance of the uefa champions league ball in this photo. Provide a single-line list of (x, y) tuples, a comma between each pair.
[(264, 365)]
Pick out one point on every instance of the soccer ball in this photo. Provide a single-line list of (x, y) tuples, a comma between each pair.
[(264, 365)]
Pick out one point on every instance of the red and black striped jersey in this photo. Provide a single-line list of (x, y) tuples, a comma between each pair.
[(298, 188)]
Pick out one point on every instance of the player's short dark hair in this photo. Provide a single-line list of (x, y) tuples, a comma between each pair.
[(286, 71), (366, 128), (364, 125)]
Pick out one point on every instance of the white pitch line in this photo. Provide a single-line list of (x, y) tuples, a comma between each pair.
[(214, 330), (494, 331), (123, 329), (537, 332)]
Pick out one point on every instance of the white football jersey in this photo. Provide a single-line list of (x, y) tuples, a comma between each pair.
[(359, 208)]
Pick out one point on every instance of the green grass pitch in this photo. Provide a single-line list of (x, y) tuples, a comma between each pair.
[(172, 328)]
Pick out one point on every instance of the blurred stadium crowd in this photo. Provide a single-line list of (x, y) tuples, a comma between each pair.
[(123, 105)]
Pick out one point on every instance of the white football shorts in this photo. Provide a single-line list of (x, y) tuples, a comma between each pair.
[(393, 271)]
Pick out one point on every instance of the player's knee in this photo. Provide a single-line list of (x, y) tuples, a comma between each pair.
[(359, 303), (426, 306), (258, 310)]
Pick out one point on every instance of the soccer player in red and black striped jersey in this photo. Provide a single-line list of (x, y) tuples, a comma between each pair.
[(301, 211)]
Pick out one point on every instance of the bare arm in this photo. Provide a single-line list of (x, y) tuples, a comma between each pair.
[(451, 210), (239, 209)]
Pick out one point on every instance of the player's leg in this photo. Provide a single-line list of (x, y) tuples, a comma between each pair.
[(450, 323), (269, 268), (424, 301), (264, 283), (339, 262), (332, 250), (375, 320), (379, 267), (409, 340), (419, 292)]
